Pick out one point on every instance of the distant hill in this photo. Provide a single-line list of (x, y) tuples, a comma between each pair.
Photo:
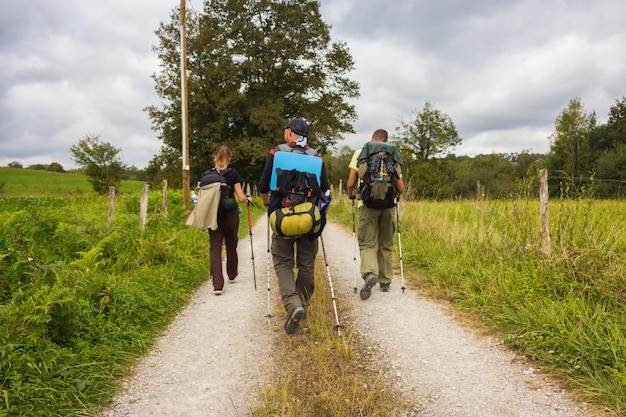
[(22, 182)]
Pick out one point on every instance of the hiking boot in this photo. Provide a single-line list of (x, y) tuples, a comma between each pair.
[(370, 281), (385, 286), (293, 320)]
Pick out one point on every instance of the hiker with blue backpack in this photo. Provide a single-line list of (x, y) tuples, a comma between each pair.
[(377, 170), (293, 184)]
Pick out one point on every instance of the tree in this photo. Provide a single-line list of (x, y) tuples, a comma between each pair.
[(101, 162), (55, 167), (495, 173), (167, 165), (607, 136), (337, 165), (611, 172), (529, 164), (134, 174), (429, 179), (570, 150), (38, 167), (617, 123), (431, 134), (251, 67)]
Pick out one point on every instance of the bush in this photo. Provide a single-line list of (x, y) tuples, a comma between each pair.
[(82, 297)]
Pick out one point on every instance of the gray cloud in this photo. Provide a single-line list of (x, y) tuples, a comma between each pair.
[(502, 70), (77, 68)]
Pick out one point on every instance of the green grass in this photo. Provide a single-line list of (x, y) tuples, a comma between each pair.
[(82, 297), (565, 310), (335, 373), (18, 182)]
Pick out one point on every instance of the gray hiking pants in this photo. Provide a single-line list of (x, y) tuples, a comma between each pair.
[(376, 229), (296, 287)]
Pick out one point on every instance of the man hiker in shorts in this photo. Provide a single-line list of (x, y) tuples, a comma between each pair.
[(296, 288), (376, 225)]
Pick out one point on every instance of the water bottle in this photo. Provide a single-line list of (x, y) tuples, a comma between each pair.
[(324, 202), (194, 197)]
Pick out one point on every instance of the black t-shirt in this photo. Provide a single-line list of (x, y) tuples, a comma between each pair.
[(232, 178)]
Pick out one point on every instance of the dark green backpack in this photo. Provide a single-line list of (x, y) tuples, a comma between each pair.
[(378, 175)]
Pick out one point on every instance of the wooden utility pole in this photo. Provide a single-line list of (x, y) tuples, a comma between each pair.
[(183, 106)]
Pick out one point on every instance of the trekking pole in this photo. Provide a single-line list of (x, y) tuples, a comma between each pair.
[(400, 248), (251, 245), (355, 246), (268, 315), (332, 292)]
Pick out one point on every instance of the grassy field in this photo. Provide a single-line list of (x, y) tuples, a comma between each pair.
[(18, 182), (564, 310), (82, 297)]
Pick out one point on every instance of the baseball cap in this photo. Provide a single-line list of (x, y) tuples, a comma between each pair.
[(299, 126)]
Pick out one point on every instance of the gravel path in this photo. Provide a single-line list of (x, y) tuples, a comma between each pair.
[(212, 359)]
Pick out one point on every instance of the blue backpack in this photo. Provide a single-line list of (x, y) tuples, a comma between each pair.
[(296, 179)]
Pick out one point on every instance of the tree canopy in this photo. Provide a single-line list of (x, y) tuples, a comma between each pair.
[(251, 66), (588, 154), (430, 134), (570, 151), (101, 162)]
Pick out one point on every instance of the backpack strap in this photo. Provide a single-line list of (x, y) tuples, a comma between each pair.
[(222, 173), (283, 147), (297, 182)]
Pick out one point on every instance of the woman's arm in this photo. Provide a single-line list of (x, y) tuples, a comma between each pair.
[(239, 193)]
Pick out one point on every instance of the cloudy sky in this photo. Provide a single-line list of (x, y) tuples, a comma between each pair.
[(502, 70)]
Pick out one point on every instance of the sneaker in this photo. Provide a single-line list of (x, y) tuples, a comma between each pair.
[(293, 320), (370, 281), (385, 286), (218, 292)]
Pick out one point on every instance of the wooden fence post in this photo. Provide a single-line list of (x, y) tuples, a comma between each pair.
[(543, 212), (143, 207), (164, 197), (111, 202), (480, 191)]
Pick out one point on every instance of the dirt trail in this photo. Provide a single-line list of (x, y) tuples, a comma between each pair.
[(212, 361)]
